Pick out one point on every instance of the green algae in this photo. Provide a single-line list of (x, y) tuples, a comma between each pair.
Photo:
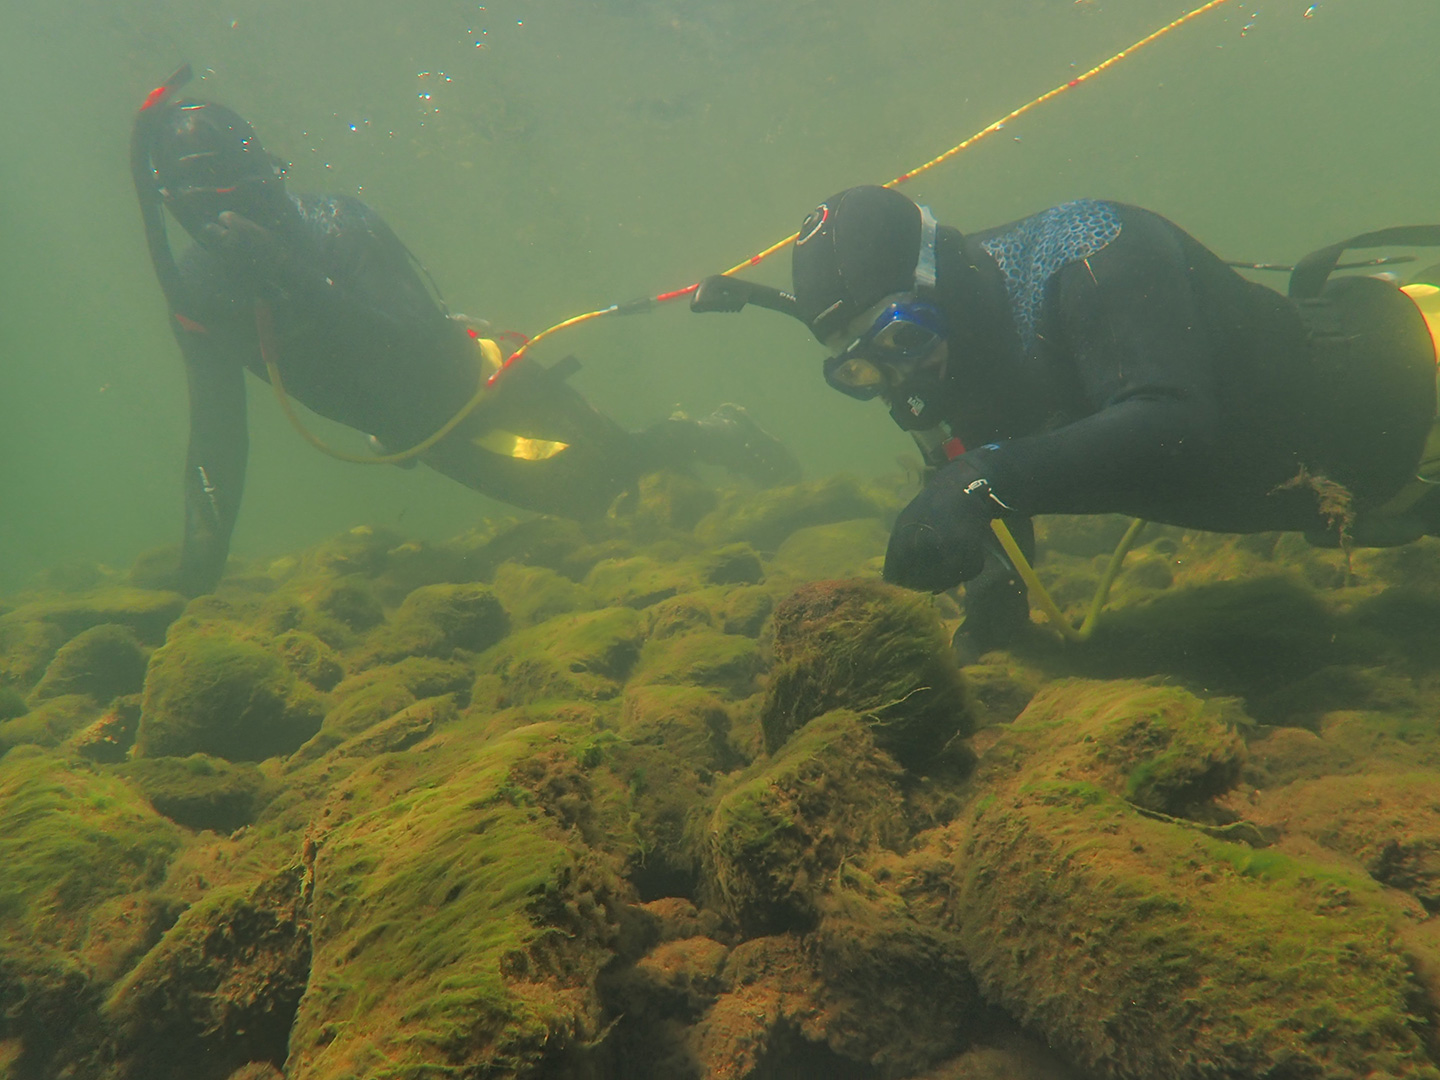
[(72, 837), (779, 834), (844, 549), (766, 518), (585, 656), (532, 594), (50, 723), (221, 987), (457, 925), (727, 663), (210, 691), (1143, 950), (439, 621), (310, 659), (104, 662), (199, 791), (865, 646), (82, 854), (1159, 747)]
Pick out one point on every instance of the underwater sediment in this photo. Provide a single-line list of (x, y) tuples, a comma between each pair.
[(688, 792)]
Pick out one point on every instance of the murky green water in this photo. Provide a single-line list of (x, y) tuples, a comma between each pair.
[(570, 154)]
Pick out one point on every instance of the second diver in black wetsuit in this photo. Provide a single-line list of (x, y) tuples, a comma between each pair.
[(323, 286), (1094, 358)]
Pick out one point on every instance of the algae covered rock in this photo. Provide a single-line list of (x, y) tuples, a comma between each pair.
[(843, 549), (209, 691), (459, 926), (766, 518), (49, 723), (584, 657), (221, 987), (1387, 822), (727, 663), (200, 792), (1160, 747), (532, 594), (777, 837), (673, 742), (436, 620), (310, 658), (108, 739), (1142, 948), (868, 647), (104, 662), (82, 855)]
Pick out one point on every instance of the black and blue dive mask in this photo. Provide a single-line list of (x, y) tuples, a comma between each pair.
[(896, 357)]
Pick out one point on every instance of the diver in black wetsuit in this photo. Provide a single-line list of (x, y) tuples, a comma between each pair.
[(1094, 358), (321, 285)]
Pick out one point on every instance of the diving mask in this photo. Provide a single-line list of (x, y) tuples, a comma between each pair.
[(901, 336)]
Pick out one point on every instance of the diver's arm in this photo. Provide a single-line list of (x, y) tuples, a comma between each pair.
[(215, 459), (1148, 416)]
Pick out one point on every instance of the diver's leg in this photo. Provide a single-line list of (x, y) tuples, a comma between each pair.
[(728, 437), (997, 606)]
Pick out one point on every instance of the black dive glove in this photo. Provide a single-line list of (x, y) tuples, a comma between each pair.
[(939, 539)]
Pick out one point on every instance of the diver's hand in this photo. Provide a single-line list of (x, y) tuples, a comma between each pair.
[(237, 237), (939, 539)]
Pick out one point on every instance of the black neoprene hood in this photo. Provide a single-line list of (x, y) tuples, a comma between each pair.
[(854, 249)]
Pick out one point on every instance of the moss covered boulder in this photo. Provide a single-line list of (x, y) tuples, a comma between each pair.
[(220, 989), (210, 691), (778, 834), (861, 645), (460, 917), (725, 663), (104, 662), (199, 791), (50, 723), (765, 519), (844, 549), (532, 594), (1387, 822), (310, 659), (1160, 747), (82, 857), (438, 620), (1141, 947), (673, 744), (585, 656)]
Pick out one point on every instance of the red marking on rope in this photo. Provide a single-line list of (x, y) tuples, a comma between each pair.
[(675, 294), (154, 97), (224, 190), (190, 324), (472, 332), (1072, 82)]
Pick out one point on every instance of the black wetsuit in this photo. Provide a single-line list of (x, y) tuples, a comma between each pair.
[(359, 339), (1103, 361)]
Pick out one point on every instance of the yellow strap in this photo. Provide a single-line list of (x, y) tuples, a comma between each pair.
[(491, 359), (1042, 595)]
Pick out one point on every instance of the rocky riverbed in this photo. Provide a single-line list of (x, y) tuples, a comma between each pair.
[(688, 793)]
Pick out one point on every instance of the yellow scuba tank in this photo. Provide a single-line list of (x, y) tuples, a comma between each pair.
[(1427, 299)]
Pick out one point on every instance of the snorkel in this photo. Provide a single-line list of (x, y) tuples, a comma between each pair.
[(147, 190)]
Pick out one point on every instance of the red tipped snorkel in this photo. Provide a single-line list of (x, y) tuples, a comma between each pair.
[(142, 171)]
